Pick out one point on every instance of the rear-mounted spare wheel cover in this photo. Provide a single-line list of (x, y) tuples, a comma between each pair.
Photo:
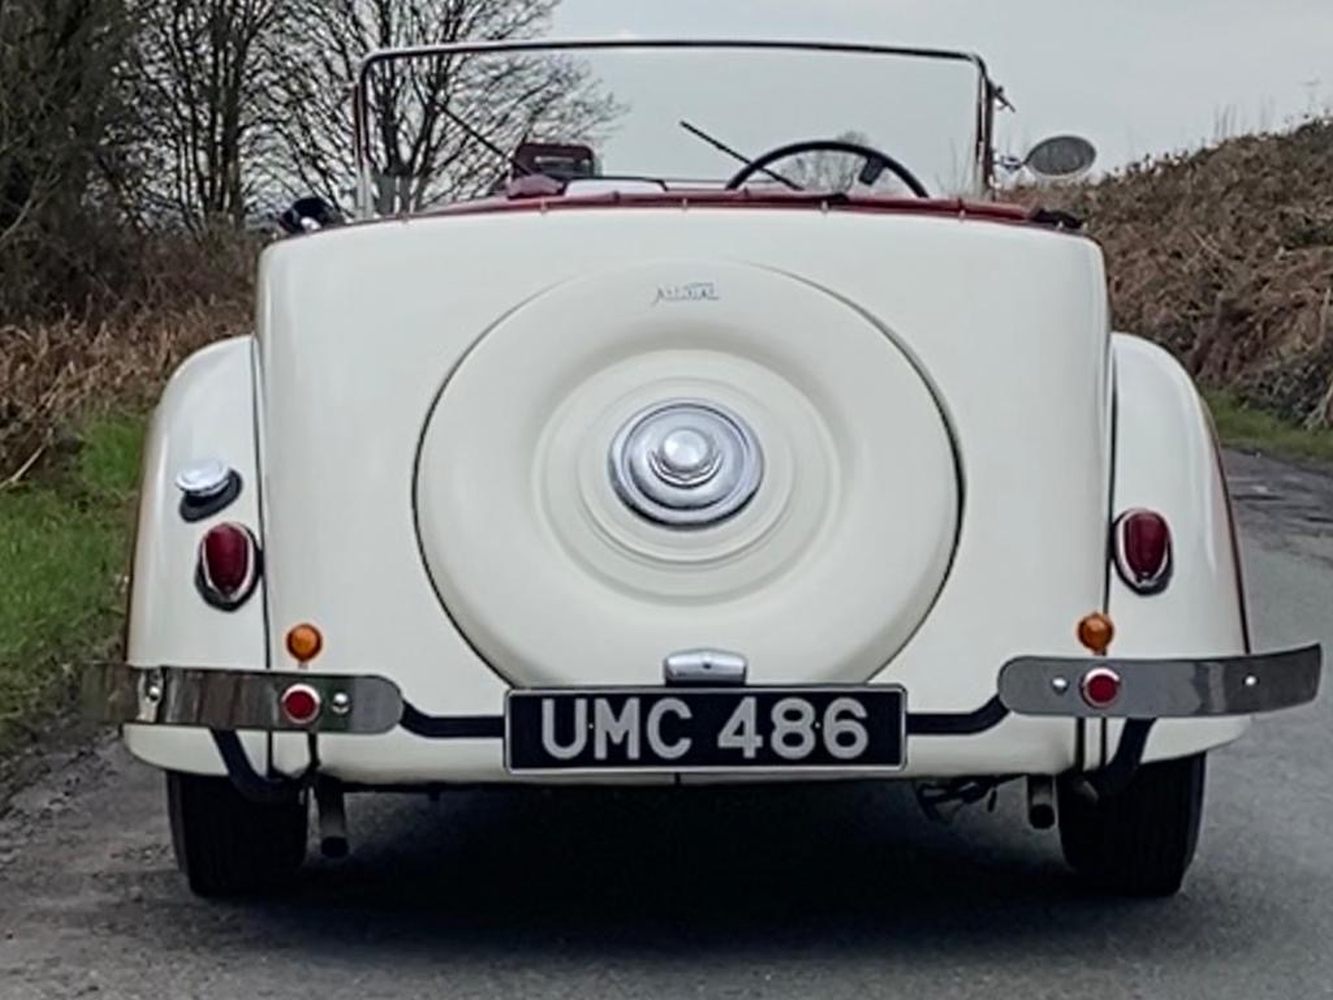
[(807, 456)]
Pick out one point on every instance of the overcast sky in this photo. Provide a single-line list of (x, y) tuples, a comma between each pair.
[(1136, 76)]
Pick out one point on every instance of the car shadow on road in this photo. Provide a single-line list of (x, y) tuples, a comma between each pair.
[(699, 871)]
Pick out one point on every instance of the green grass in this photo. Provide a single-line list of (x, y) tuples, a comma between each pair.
[(64, 547), (1242, 427)]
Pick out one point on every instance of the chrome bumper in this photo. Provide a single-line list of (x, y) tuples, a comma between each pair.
[(1165, 689), (229, 700), (226, 700)]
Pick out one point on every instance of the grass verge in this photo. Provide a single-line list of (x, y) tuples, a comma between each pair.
[(1248, 429), (64, 547)]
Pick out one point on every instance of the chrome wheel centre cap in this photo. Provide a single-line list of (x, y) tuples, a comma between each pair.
[(686, 457), (686, 464)]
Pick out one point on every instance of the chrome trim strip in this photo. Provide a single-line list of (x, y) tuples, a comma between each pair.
[(236, 699), (1166, 688)]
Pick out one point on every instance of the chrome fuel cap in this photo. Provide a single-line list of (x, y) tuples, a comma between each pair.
[(205, 479), (686, 464)]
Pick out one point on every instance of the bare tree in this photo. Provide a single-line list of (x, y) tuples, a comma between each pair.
[(63, 125), (441, 127), (209, 70)]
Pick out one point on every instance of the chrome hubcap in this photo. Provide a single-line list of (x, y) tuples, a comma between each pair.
[(686, 457), (686, 464)]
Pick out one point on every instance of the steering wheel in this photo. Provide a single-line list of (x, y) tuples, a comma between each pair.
[(876, 163)]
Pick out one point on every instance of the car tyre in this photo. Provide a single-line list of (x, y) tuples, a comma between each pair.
[(1141, 840), (228, 845)]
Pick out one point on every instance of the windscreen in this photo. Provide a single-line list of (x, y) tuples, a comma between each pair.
[(448, 127)]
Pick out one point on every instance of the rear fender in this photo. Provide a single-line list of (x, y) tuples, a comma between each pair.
[(207, 411), (1167, 460)]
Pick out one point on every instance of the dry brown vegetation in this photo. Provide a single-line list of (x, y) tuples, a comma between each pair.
[(55, 371), (1225, 256)]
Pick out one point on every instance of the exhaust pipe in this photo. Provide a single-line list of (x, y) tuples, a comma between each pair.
[(1041, 801), (332, 819)]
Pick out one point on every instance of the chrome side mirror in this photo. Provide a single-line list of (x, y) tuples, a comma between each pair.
[(1061, 158)]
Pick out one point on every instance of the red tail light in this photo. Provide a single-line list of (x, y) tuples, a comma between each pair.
[(1101, 687), (1143, 551), (301, 704), (228, 565)]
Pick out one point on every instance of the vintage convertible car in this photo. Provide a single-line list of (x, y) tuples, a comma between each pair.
[(605, 477)]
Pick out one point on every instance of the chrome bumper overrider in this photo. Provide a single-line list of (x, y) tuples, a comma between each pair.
[(1165, 689), (230, 700)]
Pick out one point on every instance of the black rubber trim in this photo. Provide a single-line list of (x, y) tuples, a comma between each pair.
[(987, 717), (1056, 219), (452, 727), (492, 727), (247, 780)]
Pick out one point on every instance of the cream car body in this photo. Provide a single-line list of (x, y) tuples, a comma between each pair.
[(570, 443)]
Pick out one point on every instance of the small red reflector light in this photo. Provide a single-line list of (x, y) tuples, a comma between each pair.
[(1143, 550), (1101, 687), (300, 704)]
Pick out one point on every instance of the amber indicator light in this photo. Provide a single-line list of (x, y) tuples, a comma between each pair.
[(1095, 632), (304, 642)]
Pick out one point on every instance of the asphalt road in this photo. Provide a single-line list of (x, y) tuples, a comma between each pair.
[(845, 892)]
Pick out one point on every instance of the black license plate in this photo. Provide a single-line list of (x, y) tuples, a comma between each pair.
[(692, 730)]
